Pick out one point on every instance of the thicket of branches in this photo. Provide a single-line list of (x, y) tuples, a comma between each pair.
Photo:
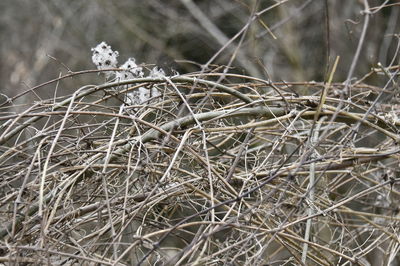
[(221, 167)]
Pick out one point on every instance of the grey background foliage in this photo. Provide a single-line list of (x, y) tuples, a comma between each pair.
[(42, 39)]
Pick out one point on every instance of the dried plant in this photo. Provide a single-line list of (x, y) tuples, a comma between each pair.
[(206, 168), (206, 172)]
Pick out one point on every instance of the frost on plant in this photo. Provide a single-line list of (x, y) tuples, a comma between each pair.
[(104, 57), (132, 70), (141, 95), (157, 72)]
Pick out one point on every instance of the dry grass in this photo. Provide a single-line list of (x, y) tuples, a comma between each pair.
[(222, 169)]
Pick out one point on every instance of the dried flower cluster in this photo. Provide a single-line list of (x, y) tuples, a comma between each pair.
[(104, 58)]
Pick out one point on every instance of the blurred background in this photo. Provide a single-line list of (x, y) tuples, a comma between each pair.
[(289, 40)]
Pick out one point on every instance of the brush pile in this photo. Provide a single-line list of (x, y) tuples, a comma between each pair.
[(213, 169)]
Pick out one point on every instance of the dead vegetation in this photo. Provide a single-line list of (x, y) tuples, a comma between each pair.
[(219, 169)]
